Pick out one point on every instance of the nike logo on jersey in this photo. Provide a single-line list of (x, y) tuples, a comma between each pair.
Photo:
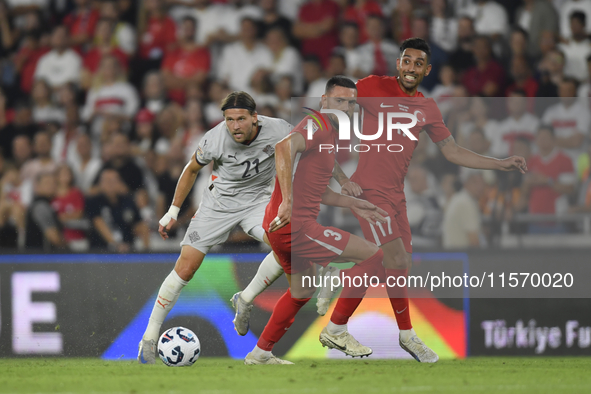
[(401, 310), (330, 150), (382, 105)]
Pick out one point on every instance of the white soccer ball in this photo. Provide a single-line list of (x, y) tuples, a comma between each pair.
[(179, 347)]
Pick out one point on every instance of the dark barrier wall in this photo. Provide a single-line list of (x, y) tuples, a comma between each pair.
[(98, 305)]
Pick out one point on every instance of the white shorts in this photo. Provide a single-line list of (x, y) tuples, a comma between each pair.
[(209, 227)]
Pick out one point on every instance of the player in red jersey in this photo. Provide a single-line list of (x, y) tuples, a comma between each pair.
[(381, 173), (299, 241)]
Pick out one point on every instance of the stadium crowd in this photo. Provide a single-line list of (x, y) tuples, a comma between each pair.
[(103, 102)]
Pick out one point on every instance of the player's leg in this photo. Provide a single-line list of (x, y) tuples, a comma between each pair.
[(397, 262), (368, 262), (268, 272), (187, 264), (282, 318)]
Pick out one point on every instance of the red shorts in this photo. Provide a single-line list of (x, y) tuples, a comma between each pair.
[(313, 243), (397, 222)]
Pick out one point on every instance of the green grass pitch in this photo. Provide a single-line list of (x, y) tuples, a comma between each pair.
[(221, 376)]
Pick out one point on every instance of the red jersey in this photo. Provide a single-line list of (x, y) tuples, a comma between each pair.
[(159, 34), (312, 171), (73, 201), (312, 12), (383, 168), (185, 64), (559, 167), (359, 16), (92, 59), (82, 22)]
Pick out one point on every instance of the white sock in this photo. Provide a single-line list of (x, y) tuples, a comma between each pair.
[(261, 354), (405, 335), (167, 296), (268, 272), (336, 329)]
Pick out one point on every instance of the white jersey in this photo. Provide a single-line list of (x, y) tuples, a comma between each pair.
[(242, 174)]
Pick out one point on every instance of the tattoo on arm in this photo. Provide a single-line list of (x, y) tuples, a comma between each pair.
[(444, 142)]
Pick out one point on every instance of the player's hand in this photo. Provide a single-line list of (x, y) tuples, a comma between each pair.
[(283, 217), (369, 212), (163, 231), (514, 163), (351, 189)]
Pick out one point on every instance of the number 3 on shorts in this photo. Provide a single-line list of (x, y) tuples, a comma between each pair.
[(330, 233)]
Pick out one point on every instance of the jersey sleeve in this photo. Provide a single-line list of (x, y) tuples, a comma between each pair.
[(302, 128), (208, 147), (364, 86), (436, 129)]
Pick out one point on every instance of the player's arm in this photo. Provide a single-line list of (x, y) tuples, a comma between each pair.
[(285, 153), (183, 187), (466, 158), (363, 208), (348, 188)]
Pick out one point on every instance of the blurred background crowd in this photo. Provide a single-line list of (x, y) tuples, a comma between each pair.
[(103, 102)]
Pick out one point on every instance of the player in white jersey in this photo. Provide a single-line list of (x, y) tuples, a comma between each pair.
[(242, 150)]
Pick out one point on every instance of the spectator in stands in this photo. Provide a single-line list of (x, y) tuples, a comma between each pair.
[(153, 92), (401, 19), (570, 120), (315, 81), (103, 46), (121, 161), (64, 141), (317, 29), (550, 180), (462, 221), (284, 93), (424, 214), (240, 60), (349, 46), (567, 9), (272, 19), (12, 210), (144, 132), (536, 17), (115, 218), (193, 128), (7, 33), (60, 65), (444, 26), (490, 18), (157, 35), (217, 91), (85, 167), (336, 64), (286, 59), (44, 111), (522, 78), (21, 150), (462, 58), (358, 12), (519, 124), (43, 228), (42, 163), (443, 92), (188, 63), (583, 204), (577, 49), (478, 118), (420, 28), (26, 59), (111, 95), (584, 90), (379, 55), (22, 123), (68, 203), (550, 69), (124, 36), (487, 77), (81, 22)]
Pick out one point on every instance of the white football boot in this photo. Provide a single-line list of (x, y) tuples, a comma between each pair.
[(416, 348), (242, 317), (250, 359), (147, 352), (344, 343)]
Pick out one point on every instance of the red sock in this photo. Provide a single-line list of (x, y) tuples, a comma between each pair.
[(351, 297), (282, 318), (399, 299)]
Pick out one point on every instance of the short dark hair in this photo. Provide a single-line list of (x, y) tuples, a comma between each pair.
[(416, 43), (578, 15), (189, 18), (339, 80), (548, 128), (571, 80), (239, 99)]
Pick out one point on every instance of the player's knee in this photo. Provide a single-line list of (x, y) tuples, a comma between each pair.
[(396, 261), (185, 268)]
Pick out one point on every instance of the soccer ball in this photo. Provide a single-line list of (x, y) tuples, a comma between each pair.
[(179, 347)]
